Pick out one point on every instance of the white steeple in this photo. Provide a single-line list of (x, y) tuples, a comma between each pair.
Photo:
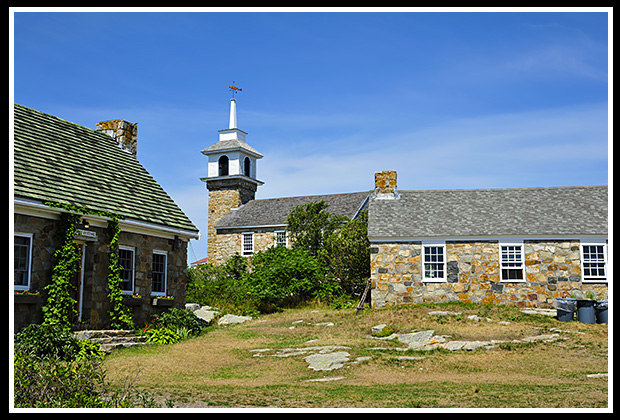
[(233, 114)]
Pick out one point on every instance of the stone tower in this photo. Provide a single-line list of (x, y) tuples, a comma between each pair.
[(231, 178)]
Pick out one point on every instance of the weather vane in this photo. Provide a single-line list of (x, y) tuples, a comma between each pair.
[(234, 89)]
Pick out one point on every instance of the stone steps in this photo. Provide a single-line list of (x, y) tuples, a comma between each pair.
[(109, 340)]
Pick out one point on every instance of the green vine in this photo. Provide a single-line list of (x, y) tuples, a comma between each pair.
[(60, 306), (120, 314)]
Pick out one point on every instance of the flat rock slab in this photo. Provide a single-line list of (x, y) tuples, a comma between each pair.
[(327, 361), (417, 339), (230, 319)]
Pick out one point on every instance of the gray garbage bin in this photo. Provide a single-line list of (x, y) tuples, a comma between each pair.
[(585, 311), (601, 311), (565, 308)]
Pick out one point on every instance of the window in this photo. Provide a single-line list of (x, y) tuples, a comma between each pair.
[(246, 166), (22, 250), (160, 264), (247, 244), (280, 238), (223, 166), (594, 260), (434, 262), (511, 261), (126, 258)]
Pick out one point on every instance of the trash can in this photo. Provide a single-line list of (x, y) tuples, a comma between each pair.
[(565, 308), (585, 311), (601, 312)]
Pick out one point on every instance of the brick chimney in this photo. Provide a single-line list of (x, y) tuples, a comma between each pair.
[(125, 134), (385, 185)]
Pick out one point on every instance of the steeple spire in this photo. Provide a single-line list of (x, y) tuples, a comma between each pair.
[(233, 114)]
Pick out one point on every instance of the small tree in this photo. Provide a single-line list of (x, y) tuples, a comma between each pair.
[(346, 252), (309, 225)]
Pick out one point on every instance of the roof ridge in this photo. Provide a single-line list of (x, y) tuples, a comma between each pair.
[(506, 188), (311, 195)]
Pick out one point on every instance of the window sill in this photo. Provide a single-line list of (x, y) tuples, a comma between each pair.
[(590, 281), (434, 281), (27, 299), (164, 303)]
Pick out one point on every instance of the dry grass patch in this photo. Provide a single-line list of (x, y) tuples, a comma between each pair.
[(218, 369)]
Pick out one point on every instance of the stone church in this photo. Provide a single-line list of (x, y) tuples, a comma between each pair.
[(516, 246)]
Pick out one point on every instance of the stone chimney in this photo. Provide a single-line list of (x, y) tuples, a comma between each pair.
[(385, 185), (125, 134)]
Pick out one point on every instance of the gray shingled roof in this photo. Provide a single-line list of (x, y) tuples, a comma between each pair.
[(230, 145), (274, 211), (549, 211)]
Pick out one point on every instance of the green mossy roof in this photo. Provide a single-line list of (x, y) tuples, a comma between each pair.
[(59, 161)]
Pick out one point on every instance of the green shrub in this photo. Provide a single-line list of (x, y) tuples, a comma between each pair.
[(53, 341), (176, 319), (223, 287), (162, 335), (284, 277)]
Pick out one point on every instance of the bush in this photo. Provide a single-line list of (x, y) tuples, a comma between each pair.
[(285, 277), (52, 341), (223, 287), (182, 319)]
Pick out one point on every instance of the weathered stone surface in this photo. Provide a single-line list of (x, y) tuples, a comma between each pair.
[(230, 319), (415, 340), (206, 313), (327, 361), (473, 274)]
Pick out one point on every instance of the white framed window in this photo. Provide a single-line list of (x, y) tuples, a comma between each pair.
[(511, 261), (594, 262), (434, 262), (159, 274), (22, 261), (281, 238), (247, 243), (127, 258)]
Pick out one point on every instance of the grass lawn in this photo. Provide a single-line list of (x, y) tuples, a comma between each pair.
[(218, 369)]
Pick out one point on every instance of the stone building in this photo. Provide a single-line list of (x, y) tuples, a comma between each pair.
[(239, 224), (67, 164), (519, 247)]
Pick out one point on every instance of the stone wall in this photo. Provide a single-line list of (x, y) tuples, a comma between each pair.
[(224, 195), (229, 242), (95, 303), (552, 269)]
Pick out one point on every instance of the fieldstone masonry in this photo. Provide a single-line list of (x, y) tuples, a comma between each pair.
[(552, 269), (95, 303)]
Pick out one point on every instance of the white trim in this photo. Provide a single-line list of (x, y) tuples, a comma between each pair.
[(245, 253), (522, 257), (275, 238), (165, 253), (596, 279), (36, 208), (133, 268), (30, 236), (439, 244)]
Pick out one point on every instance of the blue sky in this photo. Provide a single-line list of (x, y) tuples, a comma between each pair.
[(447, 99)]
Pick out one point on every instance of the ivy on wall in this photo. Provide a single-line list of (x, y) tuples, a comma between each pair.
[(60, 306), (120, 314)]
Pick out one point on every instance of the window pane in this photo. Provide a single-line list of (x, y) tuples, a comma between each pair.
[(126, 261), (21, 270), (159, 273)]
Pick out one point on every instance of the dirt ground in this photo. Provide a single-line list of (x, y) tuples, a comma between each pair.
[(218, 369)]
